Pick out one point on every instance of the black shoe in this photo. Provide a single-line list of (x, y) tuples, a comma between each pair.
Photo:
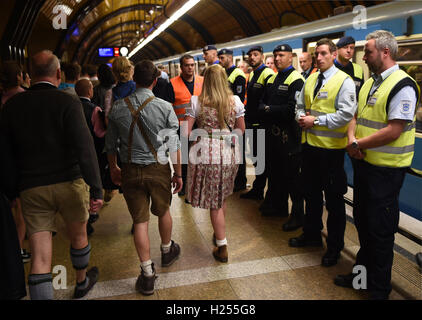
[(295, 222), (187, 201), (344, 280), (89, 229), (330, 258), (253, 194), (93, 217), (239, 187), (168, 258), (144, 284), (92, 276), (303, 241)]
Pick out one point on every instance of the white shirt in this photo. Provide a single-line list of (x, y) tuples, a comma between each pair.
[(195, 107), (403, 105), (345, 103)]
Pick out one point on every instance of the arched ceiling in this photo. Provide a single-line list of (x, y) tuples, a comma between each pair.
[(97, 23)]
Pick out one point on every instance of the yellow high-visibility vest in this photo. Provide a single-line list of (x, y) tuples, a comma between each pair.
[(372, 116), (289, 80), (324, 103)]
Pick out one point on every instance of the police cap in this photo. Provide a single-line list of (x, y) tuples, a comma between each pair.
[(255, 48), (345, 41), (225, 51), (209, 47), (283, 47)]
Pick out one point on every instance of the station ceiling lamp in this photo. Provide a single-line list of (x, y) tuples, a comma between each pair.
[(185, 8), (124, 51)]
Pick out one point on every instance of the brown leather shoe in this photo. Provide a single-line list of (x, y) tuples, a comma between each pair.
[(221, 254)]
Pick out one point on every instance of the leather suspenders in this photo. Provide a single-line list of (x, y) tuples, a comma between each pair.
[(137, 120)]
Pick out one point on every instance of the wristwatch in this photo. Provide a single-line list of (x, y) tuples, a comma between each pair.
[(355, 144), (316, 122)]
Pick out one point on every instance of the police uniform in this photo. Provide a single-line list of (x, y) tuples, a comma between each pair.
[(378, 178), (354, 70), (255, 91), (237, 83), (236, 77), (210, 47), (333, 105), (283, 134)]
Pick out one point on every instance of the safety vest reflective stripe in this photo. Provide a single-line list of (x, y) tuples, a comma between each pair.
[(315, 113), (330, 134), (380, 125), (394, 150), (373, 117), (180, 106)]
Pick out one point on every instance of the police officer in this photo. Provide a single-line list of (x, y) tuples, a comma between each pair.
[(210, 54), (381, 141), (284, 137), (255, 89), (237, 83), (345, 51), (329, 99)]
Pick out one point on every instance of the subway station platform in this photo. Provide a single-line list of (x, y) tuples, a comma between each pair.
[(261, 265)]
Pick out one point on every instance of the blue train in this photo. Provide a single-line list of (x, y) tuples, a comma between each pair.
[(404, 20)]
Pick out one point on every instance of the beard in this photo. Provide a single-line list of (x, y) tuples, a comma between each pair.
[(375, 66), (256, 64)]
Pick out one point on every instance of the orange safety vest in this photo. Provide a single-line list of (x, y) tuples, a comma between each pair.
[(182, 95)]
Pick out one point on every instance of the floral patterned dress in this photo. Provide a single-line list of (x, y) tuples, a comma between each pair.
[(213, 160)]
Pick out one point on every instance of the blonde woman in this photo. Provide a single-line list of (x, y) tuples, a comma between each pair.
[(123, 71), (212, 161)]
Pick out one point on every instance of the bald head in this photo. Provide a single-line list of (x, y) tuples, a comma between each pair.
[(45, 66), (84, 88), (305, 60)]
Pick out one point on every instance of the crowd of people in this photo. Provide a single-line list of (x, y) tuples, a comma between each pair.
[(91, 132)]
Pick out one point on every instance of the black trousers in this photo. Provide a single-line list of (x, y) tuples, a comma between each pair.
[(323, 173), (240, 180), (261, 179), (376, 214), (12, 282), (284, 175)]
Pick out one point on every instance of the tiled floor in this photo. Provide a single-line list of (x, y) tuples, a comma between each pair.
[(261, 264)]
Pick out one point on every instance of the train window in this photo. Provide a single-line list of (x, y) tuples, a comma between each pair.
[(410, 52), (410, 60)]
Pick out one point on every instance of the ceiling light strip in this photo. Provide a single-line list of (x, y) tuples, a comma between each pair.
[(185, 8)]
